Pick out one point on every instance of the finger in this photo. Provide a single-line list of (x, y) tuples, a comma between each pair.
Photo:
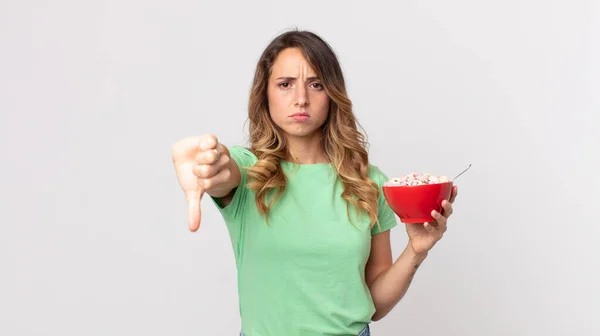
[(208, 141), (448, 209), (429, 227), (210, 156), (207, 157), (205, 171), (454, 193), (440, 220), (221, 177), (194, 213)]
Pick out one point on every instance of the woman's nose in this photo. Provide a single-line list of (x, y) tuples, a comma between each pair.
[(301, 97)]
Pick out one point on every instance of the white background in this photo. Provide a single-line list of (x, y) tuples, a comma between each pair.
[(93, 231)]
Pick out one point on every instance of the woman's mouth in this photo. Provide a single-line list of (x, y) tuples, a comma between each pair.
[(301, 116)]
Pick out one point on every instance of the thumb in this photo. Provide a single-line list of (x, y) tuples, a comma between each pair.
[(194, 213)]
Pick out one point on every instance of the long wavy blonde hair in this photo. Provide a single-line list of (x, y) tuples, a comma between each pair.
[(344, 146)]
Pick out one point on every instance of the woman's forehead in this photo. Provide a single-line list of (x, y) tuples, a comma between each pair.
[(291, 63)]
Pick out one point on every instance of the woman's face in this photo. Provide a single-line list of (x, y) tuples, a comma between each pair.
[(298, 103)]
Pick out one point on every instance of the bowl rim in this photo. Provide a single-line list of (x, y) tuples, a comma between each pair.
[(412, 186)]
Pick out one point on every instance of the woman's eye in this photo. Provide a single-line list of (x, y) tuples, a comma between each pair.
[(317, 85), (284, 85)]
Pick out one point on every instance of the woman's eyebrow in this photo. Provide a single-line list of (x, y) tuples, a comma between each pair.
[(294, 78)]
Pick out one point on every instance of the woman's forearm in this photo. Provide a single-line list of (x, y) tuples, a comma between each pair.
[(389, 287)]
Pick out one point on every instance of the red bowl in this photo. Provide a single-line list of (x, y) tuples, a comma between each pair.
[(413, 204)]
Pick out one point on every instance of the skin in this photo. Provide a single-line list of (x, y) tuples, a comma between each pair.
[(294, 87), (203, 165)]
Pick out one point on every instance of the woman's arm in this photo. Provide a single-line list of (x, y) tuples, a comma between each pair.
[(389, 282)]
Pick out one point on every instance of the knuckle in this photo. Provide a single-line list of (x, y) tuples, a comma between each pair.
[(211, 156), (202, 158), (208, 141), (200, 171), (227, 174), (196, 170), (205, 170), (212, 139)]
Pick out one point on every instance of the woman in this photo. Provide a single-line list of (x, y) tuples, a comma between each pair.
[(303, 205)]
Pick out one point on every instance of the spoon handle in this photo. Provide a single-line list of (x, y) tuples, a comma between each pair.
[(462, 172)]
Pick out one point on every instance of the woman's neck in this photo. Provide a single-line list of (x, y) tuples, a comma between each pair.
[(306, 150)]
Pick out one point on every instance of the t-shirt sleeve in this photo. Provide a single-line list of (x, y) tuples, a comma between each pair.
[(387, 217), (244, 159)]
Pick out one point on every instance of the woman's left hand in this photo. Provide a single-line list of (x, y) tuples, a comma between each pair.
[(422, 237)]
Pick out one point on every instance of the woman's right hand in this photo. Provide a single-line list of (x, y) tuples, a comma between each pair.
[(202, 165)]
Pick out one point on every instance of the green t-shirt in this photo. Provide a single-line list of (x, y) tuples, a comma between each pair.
[(304, 273)]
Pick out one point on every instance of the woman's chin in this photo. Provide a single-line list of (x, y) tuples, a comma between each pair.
[(303, 132)]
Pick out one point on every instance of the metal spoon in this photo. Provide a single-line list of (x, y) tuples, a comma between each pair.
[(461, 172)]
